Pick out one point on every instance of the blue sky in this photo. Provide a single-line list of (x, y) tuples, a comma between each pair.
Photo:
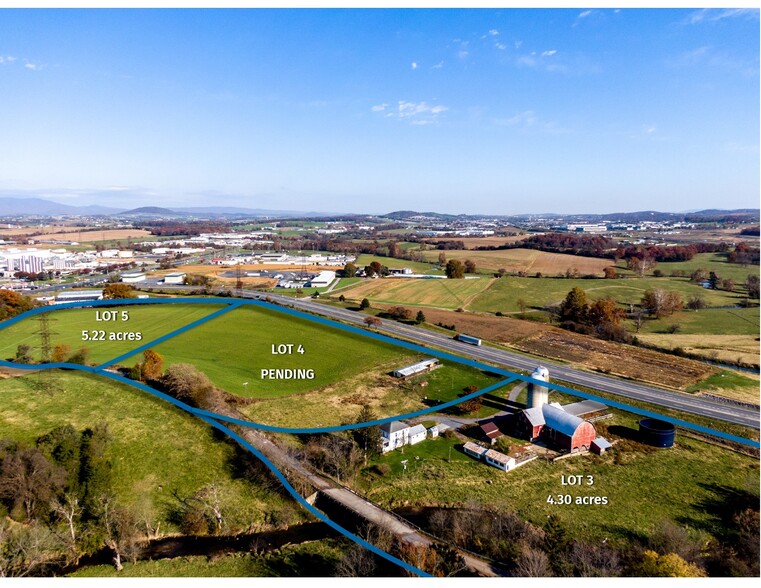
[(481, 111)]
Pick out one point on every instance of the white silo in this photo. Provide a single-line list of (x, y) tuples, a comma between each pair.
[(538, 395)]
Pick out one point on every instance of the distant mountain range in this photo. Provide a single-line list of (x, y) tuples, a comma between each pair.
[(627, 217), (41, 207)]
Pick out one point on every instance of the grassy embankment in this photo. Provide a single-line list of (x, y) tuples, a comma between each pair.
[(156, 448)]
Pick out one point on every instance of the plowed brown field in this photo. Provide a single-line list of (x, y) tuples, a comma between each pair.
[(594, 354)]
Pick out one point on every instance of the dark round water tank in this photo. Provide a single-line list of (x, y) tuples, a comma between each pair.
[(656, 432)]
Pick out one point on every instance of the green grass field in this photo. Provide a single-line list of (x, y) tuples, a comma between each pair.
[(235, 347), (709, 321), (66, 326), (711, 262), (416, 266), (504, 293), (314, 558), (156, 448), (686, 484)]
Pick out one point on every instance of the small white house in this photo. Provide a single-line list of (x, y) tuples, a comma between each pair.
[(433, 431)]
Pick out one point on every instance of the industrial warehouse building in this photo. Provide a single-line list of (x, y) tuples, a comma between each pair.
[(175, 278), (133, 277), (416, 368), (322, 280), (80, 296)]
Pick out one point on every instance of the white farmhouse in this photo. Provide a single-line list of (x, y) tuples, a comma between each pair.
[(394, 434)]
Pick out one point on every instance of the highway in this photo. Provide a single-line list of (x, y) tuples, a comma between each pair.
[(502, 358), (509, 360)]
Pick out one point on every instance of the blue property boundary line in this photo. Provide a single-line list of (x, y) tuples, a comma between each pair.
[(209, 417), (174, 333), (369, 334), (241, 441), (301, 500)]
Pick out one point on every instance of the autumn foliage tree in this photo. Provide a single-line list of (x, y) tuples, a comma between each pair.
[(152, 367), (115, 291), (455, 269), (12, 304), (658, 302)]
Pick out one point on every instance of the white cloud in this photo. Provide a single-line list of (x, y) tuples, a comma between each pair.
[(649, 129), (463, 54), (716, 14), (529, 121), (527, 118), (500, 46), (416, 113), (6, 59), (413, 65), (585, 13), (439, 65), (549, 53), (494, 32), (33, 66)]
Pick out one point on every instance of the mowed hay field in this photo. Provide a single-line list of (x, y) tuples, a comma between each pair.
[(527, 260), (66, 326), (156, 449), (438, 293), (234, 348), (593, 354), (727, 348)]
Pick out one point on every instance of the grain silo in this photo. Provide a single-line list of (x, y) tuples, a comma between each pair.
[(538, 395)]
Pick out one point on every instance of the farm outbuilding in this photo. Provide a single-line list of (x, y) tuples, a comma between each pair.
[(474, 450), (499, 460), (491, 432), (567, 431), (600, 445), (416, 368)]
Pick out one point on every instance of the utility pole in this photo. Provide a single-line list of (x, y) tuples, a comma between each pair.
[(45, 381)]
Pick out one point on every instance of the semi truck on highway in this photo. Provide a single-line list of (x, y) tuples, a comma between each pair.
[(468, 339)]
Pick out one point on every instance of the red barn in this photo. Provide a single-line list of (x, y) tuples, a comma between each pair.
[(567, 431)]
